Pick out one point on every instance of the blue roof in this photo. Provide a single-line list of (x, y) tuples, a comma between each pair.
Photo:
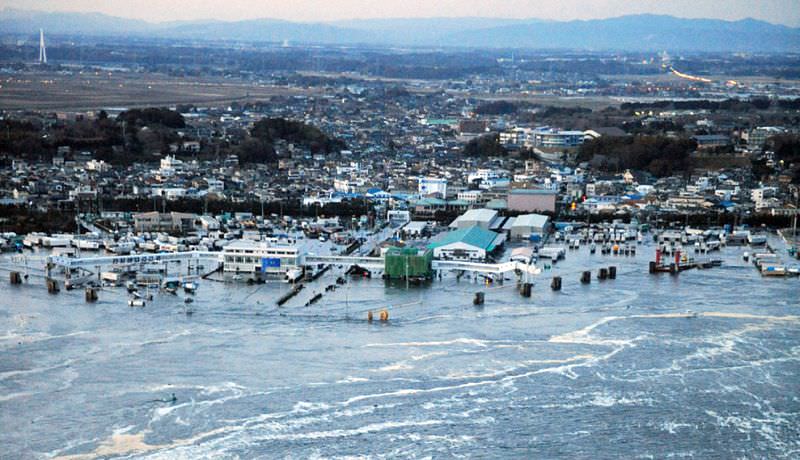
[(473, 236)]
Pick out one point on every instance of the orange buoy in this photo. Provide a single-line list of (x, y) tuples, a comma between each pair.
[(384, 315)]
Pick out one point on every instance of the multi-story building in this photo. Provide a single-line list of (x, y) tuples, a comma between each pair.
[(260, 257), (532, 200), (553, 138), (432, 186)]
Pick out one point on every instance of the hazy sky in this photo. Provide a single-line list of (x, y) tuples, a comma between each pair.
[(777, 11)]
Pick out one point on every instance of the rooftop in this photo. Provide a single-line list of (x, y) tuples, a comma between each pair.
[(473, 236)]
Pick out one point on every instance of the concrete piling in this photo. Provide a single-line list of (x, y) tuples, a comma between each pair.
[(556, 283), (52, 286), (15, 278), (612, 272), (586, 277), (91, 294)]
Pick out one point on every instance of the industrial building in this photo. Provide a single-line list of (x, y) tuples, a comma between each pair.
[(483, 218), (529, 225)]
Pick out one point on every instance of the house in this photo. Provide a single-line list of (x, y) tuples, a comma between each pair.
[(472, 243)]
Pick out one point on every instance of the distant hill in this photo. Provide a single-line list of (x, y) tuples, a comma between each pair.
[(631, 33), (639, 32)]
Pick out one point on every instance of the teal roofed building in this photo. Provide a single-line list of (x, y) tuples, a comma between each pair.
[(472, 243)]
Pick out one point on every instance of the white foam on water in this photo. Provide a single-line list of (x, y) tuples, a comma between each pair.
[(34, 337), (673, 427), (304, 407), (351, 379), (11, 396), (36, 370), (461, 340), (398, 366)]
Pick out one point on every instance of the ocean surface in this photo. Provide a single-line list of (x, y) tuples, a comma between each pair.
[(613, 369)]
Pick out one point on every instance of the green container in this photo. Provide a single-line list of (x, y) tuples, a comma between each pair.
[(402, 262)]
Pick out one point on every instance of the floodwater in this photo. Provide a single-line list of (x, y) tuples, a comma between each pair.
[(614, 369)]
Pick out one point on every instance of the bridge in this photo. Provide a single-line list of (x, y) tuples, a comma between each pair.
[(93, 262), (364, 261), (501, 268), (377, 263)]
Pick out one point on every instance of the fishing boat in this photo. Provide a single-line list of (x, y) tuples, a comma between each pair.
[(136, 302), (189, 287)]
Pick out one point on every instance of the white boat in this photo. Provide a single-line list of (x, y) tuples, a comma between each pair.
[(33, 239), (293, 274), (134, 302), (773, 269), (56, 241), (123, 247), (756, 239), (553, 253), (86, 244), (189, 286)]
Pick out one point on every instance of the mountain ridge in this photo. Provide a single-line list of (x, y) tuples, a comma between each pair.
[(644, 32)]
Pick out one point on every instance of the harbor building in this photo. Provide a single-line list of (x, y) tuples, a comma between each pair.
[(259, 257), (471, 244)]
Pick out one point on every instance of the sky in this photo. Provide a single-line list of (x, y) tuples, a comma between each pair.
[(785, 12)]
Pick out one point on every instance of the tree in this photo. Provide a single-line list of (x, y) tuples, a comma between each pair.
[(485, 146), (255, 150), (269, 130)]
